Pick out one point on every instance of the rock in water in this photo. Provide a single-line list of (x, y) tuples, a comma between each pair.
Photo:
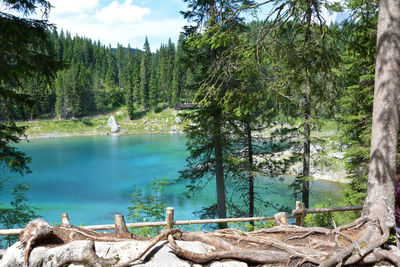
[(112, 122)]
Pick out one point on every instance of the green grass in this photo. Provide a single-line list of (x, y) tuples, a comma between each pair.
[(144, 122)]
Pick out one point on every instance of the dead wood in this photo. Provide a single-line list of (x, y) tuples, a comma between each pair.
[(121, 231)]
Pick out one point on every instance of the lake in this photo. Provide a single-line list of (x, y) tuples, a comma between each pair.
[(91, 178)]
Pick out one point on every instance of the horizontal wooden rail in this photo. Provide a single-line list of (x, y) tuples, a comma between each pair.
[(323, 210), (10, 231), (299, 213), (188, 222)]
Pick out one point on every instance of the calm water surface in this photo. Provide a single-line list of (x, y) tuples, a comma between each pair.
[(91, 178)]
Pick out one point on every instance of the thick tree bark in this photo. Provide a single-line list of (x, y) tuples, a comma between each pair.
[(382, 167), (219, 169)]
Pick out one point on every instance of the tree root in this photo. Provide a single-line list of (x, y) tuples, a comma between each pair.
[(360, 244), (352, 244), (90, 234), (254, 256), (163, 236), (87, 257)]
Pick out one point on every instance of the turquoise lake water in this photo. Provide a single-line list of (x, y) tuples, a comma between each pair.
[(91, 178)]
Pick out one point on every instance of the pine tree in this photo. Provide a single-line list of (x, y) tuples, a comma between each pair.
[(209, 133), (154, 83), (137, 59), (25, 50), (127, 81), (145, 74), (356, 103), (178, 74)]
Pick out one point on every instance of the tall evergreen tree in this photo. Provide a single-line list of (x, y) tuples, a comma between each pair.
[(25, 50), (127, 81), (178, 74), (145, 74), (154, 81), (208, 137), (356, 102), (137, 59)]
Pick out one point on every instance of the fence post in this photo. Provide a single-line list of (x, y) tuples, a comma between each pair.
[(280, 219), (65, 220), (300, 218), (170, 217), (120, 227)]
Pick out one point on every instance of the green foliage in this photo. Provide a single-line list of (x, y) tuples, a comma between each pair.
[(18, 213), (357, 75), (148, 208), (86, 121), (26, 51), (320, 219), (326, 219), (248, 227)]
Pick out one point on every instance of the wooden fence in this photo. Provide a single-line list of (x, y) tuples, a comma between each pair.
[(299, 214)]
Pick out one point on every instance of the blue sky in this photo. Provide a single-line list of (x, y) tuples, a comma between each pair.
[(120, 21), (128, 21)]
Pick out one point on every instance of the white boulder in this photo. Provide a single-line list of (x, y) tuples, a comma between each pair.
[(112, 122)]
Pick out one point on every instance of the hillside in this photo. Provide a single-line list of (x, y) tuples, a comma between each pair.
[(165, 121)]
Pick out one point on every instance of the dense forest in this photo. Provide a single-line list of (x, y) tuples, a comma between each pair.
[(286, 86), (96, 78), (285, 73)]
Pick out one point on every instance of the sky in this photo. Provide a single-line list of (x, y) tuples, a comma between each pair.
[(120, 21), (126, 21)]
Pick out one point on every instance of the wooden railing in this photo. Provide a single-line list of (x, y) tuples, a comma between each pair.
[(299, 214)]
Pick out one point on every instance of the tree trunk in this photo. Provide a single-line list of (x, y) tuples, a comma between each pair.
[(382, 167), (219, 169), (251, 176), (306, 144), (307, 120)]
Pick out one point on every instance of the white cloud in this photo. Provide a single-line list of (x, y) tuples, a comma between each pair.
[(129, 33), (65, 8), (122, 13), (117, 22)]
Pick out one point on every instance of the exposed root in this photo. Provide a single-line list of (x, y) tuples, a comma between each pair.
[(74, 233), (254, 256), (163, 236), (350, 244), (87, 257), (356, 243)]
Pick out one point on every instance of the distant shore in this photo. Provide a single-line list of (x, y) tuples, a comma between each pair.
[(329, 167)]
